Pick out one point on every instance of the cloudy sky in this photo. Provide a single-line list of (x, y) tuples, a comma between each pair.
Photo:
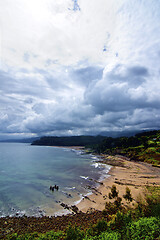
[(71, 67)]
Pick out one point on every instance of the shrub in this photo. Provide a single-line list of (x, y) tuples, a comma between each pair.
[(117, 202), (120, 222), (110, 236), (128, 195), (74, 233), (51, 235), (111, 208), (97, 228), (145, 228), (151, 206), (114, 192), (40, 236), (105, 236)]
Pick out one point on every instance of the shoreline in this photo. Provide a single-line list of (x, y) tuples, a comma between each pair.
[(135, 175), (70, 208), (69, 198), (123, 173)]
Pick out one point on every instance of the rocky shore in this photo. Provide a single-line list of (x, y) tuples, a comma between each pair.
[(124, 173), (21, 225)]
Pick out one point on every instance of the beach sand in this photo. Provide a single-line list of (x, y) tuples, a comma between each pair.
[(124, 173)]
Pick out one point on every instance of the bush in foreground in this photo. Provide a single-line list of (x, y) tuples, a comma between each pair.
[(121, 227), (145, 228)]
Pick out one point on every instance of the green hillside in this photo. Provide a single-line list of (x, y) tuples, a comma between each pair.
[(142, 147)]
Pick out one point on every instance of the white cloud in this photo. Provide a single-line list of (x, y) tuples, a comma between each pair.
[(49, 30), (68, 69)]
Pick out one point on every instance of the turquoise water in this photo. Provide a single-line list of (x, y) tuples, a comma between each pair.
[(26, 173)]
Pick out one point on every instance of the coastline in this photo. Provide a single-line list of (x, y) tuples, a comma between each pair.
[(135, 175), (123, 173), (92, 187)]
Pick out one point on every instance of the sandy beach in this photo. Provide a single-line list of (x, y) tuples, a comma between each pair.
[(124, 173)]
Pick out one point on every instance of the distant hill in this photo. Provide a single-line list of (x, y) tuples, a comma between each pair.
[(69, 141), (116, 134)]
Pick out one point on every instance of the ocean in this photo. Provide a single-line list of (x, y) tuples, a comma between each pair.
[(27, 172)]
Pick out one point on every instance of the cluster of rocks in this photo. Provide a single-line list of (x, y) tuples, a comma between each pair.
[(54, 187), (73, 208)]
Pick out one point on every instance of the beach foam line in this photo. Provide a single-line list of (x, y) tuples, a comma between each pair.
[(84, 177), (70, 188)]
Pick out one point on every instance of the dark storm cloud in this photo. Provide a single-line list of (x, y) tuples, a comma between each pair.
[(134, 75), (24, 84), (122, 89), (38, 103)]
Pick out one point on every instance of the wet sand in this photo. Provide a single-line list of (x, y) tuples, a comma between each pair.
[(124, 173)]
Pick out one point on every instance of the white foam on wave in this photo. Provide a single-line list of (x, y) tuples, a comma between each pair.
[(61, 212), (78, 152), (96, 165), (104, 168), (70, 188), (94, 157), (82, 197), (104, 172), (18, 213), (84, 177)]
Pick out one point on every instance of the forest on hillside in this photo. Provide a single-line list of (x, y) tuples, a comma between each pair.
[(69, 141), (143, 146)]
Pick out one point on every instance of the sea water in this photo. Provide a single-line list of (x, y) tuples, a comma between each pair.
[(27, 172)]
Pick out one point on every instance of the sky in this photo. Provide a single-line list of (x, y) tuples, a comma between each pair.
[(73, 67)]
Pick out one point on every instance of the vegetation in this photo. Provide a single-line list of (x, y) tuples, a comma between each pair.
[(120, 222), (69, 141), (142, 147), (142, 222), (128, 195), (113, 193), (120, 228)]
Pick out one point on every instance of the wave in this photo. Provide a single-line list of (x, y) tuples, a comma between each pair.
[(84, 177), (70, 188), (96, 165)]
